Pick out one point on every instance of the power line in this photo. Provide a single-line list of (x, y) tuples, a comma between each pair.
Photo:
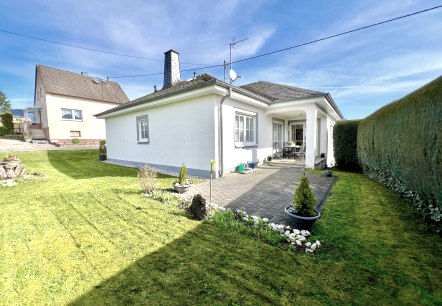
[(336, 35), (303, 44), (88, 49)]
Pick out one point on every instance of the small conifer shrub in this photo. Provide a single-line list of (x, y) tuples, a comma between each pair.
[(304, 200), (183, 175)]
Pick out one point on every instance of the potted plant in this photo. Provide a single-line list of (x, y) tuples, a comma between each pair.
[(302, 213), (327, 173), (183, 183), (102, 150), (11, 160)]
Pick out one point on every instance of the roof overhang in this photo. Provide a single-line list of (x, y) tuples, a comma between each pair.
[(286, 109), (215, 88)]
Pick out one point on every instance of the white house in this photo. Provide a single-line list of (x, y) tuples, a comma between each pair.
[(201, 119), (65, 104)]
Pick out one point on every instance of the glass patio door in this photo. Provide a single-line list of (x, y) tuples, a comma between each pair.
[(277, 136)]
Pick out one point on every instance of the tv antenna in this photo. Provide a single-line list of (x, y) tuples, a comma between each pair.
[(232, 74)]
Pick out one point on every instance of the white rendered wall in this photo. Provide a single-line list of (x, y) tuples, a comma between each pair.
[(90, 127), (179, 132), (233, 156)]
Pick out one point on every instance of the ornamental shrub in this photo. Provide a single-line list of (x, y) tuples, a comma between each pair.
[(400, 146), (75, 140), (147, 176), (304, 200), (102, 150), (345, 135), (183, 175), (7, 123)]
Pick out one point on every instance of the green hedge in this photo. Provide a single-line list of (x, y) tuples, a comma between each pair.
[(3, 131), (6, 119), (345, 135), (400, 145)]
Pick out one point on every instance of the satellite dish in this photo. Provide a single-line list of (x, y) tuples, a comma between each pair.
[(233, 75)]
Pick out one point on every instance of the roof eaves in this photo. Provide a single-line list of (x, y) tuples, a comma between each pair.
[(333, 105), (157, 97)]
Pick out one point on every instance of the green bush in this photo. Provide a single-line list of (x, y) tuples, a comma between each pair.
[(3, 131), (304, 200), (345, 134), (75, 140), (400, 145), (7, 122)]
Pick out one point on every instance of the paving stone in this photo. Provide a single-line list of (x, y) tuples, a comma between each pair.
[(266, 192)]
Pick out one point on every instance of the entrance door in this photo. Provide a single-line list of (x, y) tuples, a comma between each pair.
[(277, 136), (297, 133)]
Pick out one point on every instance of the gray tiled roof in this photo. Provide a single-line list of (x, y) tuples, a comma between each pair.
[(17, 112), (266, 92), (72, 84), (281, 93)]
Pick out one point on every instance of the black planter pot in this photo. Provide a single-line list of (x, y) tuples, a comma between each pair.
[(102, 157), (301, 222)]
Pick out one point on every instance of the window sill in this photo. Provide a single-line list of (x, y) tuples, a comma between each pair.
[(76, 120), (245, 146), (142, 142)]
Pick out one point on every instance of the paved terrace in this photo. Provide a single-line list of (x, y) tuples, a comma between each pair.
[(265, 192)]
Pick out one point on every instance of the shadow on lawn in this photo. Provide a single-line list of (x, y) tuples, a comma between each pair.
[(84, 164), (197, 269)]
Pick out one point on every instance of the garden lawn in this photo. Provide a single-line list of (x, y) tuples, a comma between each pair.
[(87, 236)]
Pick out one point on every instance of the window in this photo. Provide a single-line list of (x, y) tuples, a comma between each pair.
[(297, 134), (31, 116), (75, 134), (71, 114), (245, 130), (143, 129)]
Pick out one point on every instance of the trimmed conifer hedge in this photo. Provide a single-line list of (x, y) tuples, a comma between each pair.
[(345, 135), (400, 145)]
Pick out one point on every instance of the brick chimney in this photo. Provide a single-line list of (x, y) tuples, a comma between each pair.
[(171, 68)]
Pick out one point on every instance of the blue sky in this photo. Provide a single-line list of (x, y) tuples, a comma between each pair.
[(363, 71)]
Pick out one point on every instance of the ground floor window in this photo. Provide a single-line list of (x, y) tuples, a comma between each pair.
[(75, 134), (143, 129), (245, 129)]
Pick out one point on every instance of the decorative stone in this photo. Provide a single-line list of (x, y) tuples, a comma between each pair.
[(265, 220), (221, 209), (199, 207), (318, 243), (10, 173), (20, 170), (309, 251), (288, 227), (313, 246), (298, 242), (301, 238), (296, 231), (2, 173), (305, 233), (281, 226), (287, 233), (308, 244), (9, 183)]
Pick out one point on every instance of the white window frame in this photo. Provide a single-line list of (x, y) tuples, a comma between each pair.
[(72, 111), (143, 139), (245, 131)]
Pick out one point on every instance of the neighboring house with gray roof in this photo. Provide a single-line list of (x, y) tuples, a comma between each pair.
[(201, 119), (65, 102)]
